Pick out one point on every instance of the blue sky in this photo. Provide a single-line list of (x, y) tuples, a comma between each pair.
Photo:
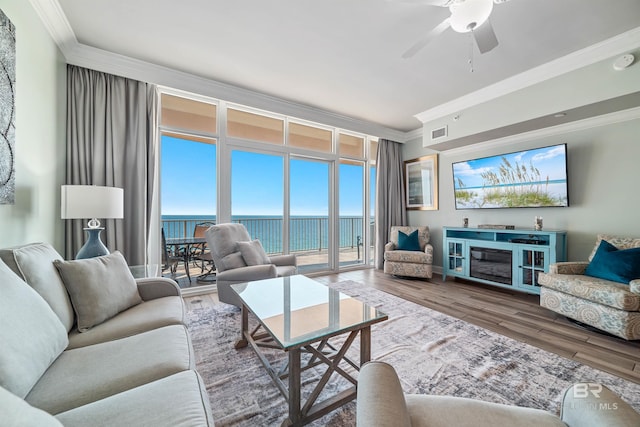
[(189, 182), (550, 161)]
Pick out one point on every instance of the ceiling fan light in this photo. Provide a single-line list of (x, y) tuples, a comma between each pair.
[(469, 14)]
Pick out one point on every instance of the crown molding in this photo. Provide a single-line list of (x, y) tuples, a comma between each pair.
[(622, 43), (414, 134), (589, 123)]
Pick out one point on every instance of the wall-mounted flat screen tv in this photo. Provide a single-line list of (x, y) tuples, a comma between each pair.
[(523, 179)]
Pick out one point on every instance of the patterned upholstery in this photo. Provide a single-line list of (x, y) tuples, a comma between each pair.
[(606, 305), (409, 263)]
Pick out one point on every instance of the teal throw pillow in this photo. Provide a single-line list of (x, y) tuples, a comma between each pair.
[(613, 264), (408, 242)]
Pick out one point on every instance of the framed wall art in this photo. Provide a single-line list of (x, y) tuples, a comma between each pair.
[(421, 183), (7, 110)]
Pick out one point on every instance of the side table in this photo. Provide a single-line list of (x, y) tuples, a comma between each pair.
[(146, 270)]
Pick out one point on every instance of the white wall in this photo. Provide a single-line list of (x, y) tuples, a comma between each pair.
[(604, 191), (40, 133)]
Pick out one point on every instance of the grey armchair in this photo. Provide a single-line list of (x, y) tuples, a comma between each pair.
[(232, 267)]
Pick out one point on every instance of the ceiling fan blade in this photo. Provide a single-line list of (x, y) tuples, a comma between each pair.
[(485, 37), (426, 39)]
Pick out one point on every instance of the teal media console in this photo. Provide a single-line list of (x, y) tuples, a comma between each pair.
[(506, 258)]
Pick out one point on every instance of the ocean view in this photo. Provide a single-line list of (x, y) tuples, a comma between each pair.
[(306, 232)]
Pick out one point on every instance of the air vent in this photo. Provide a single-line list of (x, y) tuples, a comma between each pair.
[(438, 133)]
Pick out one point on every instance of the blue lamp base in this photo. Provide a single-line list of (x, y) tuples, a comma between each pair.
[(94, 246)]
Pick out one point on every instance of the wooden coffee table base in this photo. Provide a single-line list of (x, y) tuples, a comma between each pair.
[(321, 352)]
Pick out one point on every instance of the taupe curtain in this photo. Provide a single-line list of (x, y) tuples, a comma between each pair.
[(390, 208), (111, 125)]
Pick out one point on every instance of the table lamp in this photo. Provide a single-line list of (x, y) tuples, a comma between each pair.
[(92, 201)]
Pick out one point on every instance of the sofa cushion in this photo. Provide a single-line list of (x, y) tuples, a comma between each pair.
[(143, 317), (253, 253), (408, 242), (179, 400), (99, 287), (589, 288), (87, 374), (34, 264), (16, 412), (31, 336), (611, 263)]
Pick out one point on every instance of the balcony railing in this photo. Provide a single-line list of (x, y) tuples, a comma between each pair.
[(306, 233)]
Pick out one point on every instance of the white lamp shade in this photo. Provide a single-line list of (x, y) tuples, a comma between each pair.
[(91, 201), (469, 12)]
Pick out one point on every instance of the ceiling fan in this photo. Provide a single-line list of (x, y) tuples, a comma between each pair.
[(466, 16)]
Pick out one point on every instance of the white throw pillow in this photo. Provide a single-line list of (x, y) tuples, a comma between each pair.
[(99, 288), (31, 337), (234, 260), (253, 253)]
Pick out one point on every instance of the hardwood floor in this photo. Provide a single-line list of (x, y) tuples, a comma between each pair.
[(513, 314)]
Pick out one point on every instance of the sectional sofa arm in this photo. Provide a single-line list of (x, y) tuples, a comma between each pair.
[(594, 405), (568, 267), (157, 287), (380, 401), (390, 246), (634, 286)]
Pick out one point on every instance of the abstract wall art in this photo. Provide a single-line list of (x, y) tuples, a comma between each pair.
[(7, 110)]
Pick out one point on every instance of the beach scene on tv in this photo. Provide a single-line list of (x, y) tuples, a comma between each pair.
[(532, 178)]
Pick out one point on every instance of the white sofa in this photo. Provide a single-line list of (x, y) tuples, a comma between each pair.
[(132, 364), (382, 403)]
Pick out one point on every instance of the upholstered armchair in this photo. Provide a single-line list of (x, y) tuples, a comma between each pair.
[(603, 292), (239, 259), (407, 254)]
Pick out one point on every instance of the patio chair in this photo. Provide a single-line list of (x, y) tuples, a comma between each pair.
[(169, 260), (238, 263), (202, 255)]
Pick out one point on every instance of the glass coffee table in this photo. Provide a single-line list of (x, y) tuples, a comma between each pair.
[(299, 315)]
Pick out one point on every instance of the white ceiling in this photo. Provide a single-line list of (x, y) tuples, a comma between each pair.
[(343, 56)]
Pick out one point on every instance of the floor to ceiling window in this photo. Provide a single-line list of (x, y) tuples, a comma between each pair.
[(351, 199), (299, 187), (309, 207), (188, 172), (373, 153), (257, 196)]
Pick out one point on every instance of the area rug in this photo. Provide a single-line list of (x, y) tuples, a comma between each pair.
[(433, 353)]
